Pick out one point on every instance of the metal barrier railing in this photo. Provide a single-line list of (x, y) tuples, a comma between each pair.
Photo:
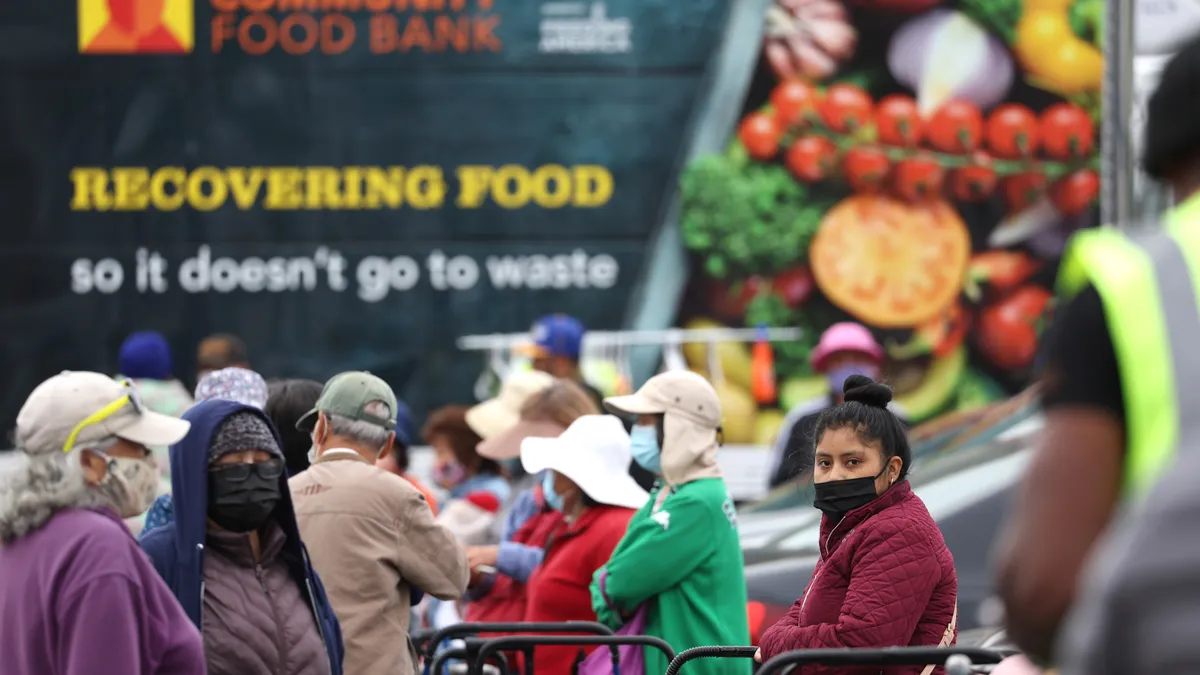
[(888, 656), (466, 653), (526, 643), (711, 652), (432, 640)]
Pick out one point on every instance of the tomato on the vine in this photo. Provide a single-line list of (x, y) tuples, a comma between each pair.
[(865, 168), (811, 158), (761, 135), (898, 122), (1012, 131), (1073, 194), (957, 126), (845, 108), (919, 177), (1023, 189), (794, 285), (1008, 331), (793, 101), (974, 182), (1067, 131)]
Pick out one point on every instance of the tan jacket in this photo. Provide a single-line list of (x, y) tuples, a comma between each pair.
[(370, 535)]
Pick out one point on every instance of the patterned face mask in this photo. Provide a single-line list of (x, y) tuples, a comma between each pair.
[(131, 483)]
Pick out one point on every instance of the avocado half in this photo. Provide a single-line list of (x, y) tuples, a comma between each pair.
[(938, 388)]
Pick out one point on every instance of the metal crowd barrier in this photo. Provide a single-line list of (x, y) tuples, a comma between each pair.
[(888, 656), (466, 653), (713, 652), (526, 643), (432, 640)]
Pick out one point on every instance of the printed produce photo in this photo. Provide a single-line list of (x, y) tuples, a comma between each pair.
[(913, 166)]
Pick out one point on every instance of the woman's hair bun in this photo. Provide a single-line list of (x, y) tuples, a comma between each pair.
[(867, 391)]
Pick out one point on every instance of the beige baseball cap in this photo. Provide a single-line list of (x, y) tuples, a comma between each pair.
[(61, 403), (495, 416), (681, 392)]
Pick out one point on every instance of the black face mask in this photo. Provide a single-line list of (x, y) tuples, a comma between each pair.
[(241, 497), (836, 498)]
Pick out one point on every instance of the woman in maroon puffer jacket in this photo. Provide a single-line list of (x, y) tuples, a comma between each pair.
[(885, 577)]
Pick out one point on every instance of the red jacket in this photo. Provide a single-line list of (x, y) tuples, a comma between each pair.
[(559, 589), (505, 601), (885, 579)]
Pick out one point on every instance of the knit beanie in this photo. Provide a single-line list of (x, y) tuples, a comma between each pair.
[(240, 432), (145, 355), (234, 384)]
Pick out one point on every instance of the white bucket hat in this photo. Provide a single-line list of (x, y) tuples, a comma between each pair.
[(594, 453), (495, 416)]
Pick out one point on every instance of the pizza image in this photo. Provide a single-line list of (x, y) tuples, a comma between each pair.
[(890, 263)]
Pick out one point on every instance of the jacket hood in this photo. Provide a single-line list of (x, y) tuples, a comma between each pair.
[(189, 477), (689, 450)]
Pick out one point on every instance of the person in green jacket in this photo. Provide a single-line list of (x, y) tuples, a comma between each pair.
[(681, 557)]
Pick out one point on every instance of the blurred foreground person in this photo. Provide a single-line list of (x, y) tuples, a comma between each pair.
[(886, 577), (221, 350), (233, 555), (230, 384), (587, 481), (681, 561), (287, 402), (77, 597), (370, 533), (530, 519), (1120, 361), (396, 461), (475, 485), (557, 348)]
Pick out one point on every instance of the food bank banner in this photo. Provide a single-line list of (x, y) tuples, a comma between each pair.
[(915, 166), (343, 183)]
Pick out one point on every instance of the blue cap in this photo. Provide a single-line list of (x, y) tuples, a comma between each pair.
[(405, 429), (558, 335), (145, 355)]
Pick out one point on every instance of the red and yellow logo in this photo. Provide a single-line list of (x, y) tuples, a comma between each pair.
[(136, 26)]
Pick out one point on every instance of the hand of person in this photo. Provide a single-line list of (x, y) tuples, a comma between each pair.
[(481, 555), (758, 655)]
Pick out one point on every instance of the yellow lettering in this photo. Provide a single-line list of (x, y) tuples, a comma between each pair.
[(593, 186), (209, 200), (91, 189), (131, 188), (473, 184), (353, 180), (385, 187), (510, 187), (283, 188), (425, 187), (551, 186), (322, 192), (245, 185), (163, 200)]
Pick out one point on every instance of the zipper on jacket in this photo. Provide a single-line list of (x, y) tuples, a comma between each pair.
[(312, 601), (817, 570), (279, 632), (200, 564)]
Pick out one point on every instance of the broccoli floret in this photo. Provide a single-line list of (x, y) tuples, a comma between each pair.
[(745, 217), (998, 16)]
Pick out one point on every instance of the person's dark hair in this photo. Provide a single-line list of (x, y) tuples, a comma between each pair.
[(865, 411), (221, 350), (288, 401), (450, 422), (1172, 138), (587, 501)]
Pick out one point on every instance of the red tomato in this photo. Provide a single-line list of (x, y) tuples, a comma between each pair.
[(974, 182), (1067, 131), (811, 158), (918, 178), (1023, 189), (794, 285), (1008, 330), (845, 108), (865, 168), (898, 122), (730, 300), (957, 126), (793, 101), (761, 135), (1012, 131), (1073, 194)]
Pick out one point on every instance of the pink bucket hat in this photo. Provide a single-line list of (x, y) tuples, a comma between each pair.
[(846, 336)]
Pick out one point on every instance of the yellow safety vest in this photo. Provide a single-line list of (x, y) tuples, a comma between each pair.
[(1148, 283)]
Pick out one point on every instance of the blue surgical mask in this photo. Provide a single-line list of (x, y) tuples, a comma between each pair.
[(837, 376), (552, 497), (644, 446)]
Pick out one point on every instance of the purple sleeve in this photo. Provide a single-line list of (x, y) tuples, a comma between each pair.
[(103, 622), (518, 560)]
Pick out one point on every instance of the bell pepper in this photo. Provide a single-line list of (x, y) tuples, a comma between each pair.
[(1052, 55), (938, 337), (1001, 270)]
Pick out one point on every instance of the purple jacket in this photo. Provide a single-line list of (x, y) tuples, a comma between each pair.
[(79, 598)]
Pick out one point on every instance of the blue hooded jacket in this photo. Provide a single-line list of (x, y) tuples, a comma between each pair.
[(177, 549)]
